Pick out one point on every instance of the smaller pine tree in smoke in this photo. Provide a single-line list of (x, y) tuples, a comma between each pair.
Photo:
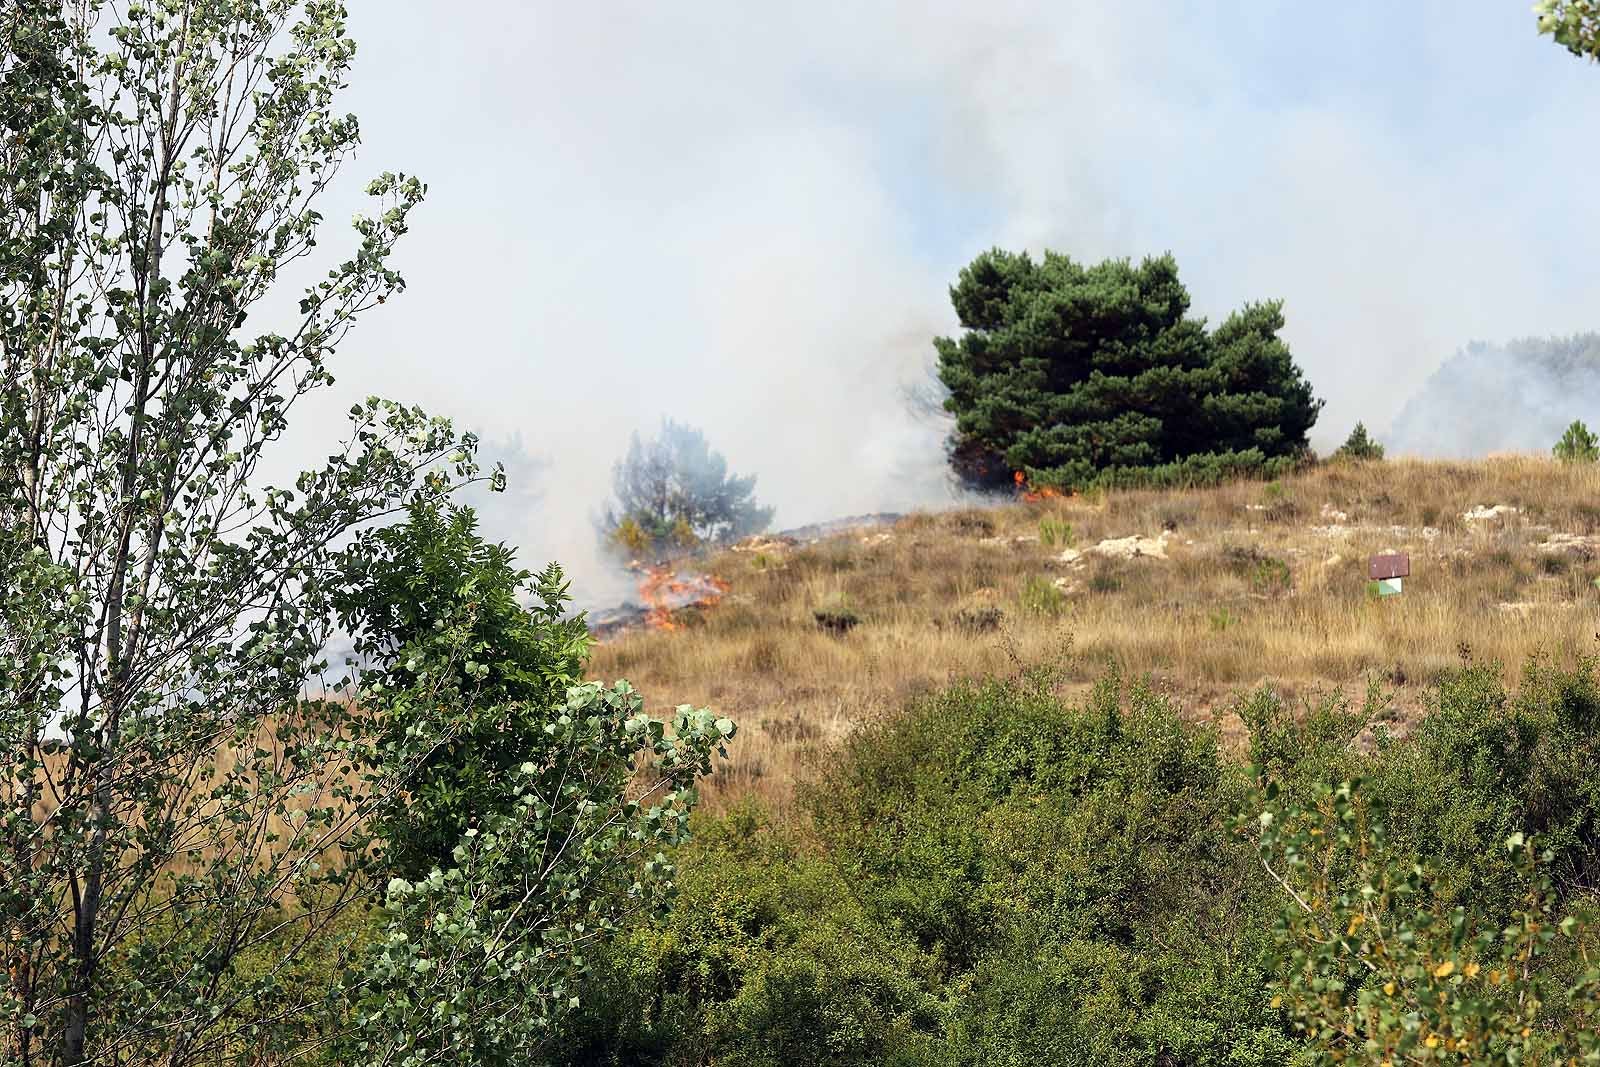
[(675, 493), (1359, 445), (1577, 445)]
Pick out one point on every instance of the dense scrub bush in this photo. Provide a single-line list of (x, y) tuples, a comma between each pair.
[(1083, 1002), (1449, 862), (997, 877), (994, 877), (1486, 764), (1073, 870), (1300, 749), (768, 959), (1483, 764)]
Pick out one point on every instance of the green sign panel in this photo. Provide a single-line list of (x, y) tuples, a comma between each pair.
[(1385, 587)]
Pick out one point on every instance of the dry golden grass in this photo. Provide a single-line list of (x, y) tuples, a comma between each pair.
[(1263, 584)]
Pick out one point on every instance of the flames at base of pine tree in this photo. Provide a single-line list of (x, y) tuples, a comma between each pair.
[(1032, 494)]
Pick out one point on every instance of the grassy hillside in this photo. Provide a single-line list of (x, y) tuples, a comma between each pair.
[(1211, 593)]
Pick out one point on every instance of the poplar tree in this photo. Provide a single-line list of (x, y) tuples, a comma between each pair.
[(1573, 24), (186, 828)]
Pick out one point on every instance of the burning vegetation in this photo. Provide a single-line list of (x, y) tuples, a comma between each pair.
[(1032, 494), (670, 590), (665, 590), (665, 593)]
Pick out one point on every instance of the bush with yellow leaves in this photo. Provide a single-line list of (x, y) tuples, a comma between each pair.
[(1379, 968)]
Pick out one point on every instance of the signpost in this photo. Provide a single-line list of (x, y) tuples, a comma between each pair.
[(1387, 572)]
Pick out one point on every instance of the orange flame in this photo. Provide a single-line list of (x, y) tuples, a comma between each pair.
[(1034, 494), (664, 591)]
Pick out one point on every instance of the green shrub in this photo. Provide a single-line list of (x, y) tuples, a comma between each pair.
[(1577, 445), (1304, 750), (1072, 869), (1265, 573), (1082, 1002), (766, 960), (1359, 446), (1054, 532), (1486, 764), (992, 878), (1415, 845), (997, 877), (1041, 596)]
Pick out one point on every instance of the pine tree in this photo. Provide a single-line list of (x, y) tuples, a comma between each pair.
[(1359, 445), (675, 492), (1577, 445), (1069, 374)]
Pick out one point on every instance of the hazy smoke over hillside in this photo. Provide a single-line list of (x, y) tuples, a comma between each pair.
[(746, 217), (1500, 398)]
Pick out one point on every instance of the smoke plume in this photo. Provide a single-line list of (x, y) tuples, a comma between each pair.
[(1516, 397)]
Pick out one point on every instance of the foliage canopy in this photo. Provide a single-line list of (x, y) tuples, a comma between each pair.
[(675, 492), (186, 824), (1068, 373), (166, 795), (1359, 445), (1577, 444), (1573, 24)]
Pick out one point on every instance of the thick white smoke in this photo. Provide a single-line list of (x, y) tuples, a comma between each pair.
[(1516, 397), (745, 216)]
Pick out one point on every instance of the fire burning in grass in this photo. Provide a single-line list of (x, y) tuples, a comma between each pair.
[(1034, 494), (665, 591)]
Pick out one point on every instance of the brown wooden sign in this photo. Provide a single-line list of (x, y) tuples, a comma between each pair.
[(1391, 565)]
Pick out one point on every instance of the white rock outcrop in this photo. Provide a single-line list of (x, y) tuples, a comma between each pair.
[(1485, 513)]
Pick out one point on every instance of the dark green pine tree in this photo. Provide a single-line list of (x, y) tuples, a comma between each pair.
[(1360, 445), (1258, 398), (1069, 372)]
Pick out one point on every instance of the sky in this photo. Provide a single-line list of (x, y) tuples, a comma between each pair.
[(746, 216)]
